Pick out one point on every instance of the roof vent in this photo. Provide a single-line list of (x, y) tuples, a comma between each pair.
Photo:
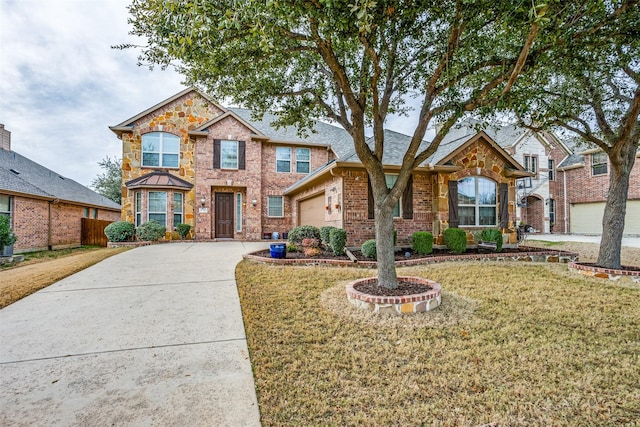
[(15, 171)]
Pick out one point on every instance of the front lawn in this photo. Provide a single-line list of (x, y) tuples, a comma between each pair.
[(512, 344)]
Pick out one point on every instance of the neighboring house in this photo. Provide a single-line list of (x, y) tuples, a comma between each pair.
[(188, 159), (45, 208), (586, 178)]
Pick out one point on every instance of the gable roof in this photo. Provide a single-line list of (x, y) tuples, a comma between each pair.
[(20, 175)]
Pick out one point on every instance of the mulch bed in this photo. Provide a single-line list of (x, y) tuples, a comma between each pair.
[(404, 288), (400, 255)]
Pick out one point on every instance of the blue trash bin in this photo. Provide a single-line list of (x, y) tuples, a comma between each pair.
[(278, 250)]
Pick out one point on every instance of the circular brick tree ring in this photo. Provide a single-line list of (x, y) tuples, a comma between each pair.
[(403, 304), (589, 269)]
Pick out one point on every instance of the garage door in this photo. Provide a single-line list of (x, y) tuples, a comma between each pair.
[(312, 211), (586, 218)]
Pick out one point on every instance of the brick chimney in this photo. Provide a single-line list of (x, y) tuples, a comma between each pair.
[(6, 138)]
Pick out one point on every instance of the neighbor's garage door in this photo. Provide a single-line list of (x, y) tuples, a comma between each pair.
[(586, 218), (312, 211)]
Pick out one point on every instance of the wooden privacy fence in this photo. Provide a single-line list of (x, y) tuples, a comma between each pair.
[(93, 232)]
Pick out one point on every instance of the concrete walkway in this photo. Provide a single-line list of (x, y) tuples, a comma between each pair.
[(152, 336), (632, 242)]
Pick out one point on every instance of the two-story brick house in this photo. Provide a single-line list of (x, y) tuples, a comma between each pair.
[(188, 159)]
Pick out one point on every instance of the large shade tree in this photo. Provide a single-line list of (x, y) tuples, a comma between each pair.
[(593, 91), (357, 62)]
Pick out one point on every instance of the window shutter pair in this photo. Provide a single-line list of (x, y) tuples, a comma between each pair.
[(407, 200), (453, 205), (217, 154)]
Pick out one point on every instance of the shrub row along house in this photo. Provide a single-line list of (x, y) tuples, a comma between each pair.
[(45, 208), (230, 176)]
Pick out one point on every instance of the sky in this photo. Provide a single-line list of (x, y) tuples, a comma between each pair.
[(62, 85)]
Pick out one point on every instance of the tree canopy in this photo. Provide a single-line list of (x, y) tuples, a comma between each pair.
[(109, 183), (357, 62)]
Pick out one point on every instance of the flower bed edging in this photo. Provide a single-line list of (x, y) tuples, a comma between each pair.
[(591, 270), (415, 303)]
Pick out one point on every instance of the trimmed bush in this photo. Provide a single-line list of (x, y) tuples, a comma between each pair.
[(456, 240), (303, 232), (337, 239), (7, 238), (369, 249), (325, 234), (150, 231), (395, 238), (183, 229), (422, 242), (490, 235), (120, 231)]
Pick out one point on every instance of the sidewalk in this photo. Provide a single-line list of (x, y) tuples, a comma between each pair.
[(152, 336), (633, 242)]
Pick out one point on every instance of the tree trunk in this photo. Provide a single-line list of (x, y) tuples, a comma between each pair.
[(387, 276), (615, 210)]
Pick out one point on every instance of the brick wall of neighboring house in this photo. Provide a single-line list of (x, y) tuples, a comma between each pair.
[(30, 218), (30, 224), (178, 117), (556, 191)]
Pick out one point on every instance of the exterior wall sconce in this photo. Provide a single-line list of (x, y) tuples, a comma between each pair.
[(254, 202), (203, 201)]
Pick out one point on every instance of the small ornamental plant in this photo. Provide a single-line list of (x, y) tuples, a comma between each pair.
[(7, 238), (369, 249), (183, 229), (151, 231), (338, 240), (456, 240), (422, 242), (325, 235)]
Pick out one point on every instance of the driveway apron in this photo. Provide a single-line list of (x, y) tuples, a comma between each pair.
[(151, 336)]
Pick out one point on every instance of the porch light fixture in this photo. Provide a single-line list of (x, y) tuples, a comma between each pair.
[(203, 201), (254, 202)]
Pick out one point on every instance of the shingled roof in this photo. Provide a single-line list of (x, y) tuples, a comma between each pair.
[(20, 175)]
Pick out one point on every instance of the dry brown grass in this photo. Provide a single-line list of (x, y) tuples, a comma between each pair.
[(38, 272), (513, 343)]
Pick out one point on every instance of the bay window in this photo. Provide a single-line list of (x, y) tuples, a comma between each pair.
[(157, 209)]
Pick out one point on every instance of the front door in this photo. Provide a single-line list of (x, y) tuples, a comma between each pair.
[(224, 215)]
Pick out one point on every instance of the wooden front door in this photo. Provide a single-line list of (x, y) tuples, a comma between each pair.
[(224, 215)]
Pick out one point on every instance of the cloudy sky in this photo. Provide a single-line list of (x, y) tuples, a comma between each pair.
[(62, 86)]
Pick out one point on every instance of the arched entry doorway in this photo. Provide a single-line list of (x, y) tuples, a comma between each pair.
[(534, 213)]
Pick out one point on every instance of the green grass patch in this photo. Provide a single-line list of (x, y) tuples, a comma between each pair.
[(514, 344)]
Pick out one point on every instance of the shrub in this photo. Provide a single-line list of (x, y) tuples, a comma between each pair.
[(490, 235), (183, 229), (7, 238), (310, 243), (311, 251), (151, 231), (120, 231), (325, 234), (338, 239), (292, 248), (456, 240), (369, 249), (303, 232), (422, 242)]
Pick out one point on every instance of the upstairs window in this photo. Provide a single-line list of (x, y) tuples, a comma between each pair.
[(228, 154), (303, 160), (160, 149), (599, 163), (283, 159), (477, 202), (552, 170), (531, 164)]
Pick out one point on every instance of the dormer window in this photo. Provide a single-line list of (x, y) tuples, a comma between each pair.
[(160, 149)]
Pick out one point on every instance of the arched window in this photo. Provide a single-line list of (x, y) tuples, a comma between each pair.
[(160, 149), (477, 202)]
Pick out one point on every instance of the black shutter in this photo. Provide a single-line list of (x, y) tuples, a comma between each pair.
[(453, 204), (504, 205), (370, 201), (407, 200), (241, 154), (216, 154)]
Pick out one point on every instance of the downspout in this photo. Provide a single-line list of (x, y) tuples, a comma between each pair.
[(564, 194)]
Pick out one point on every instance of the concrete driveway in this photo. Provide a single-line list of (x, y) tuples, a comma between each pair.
[(152, 336)]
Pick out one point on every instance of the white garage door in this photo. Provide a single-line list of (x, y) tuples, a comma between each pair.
[(586, 218), (312, 211)]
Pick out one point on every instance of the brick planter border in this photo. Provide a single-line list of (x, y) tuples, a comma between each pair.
[(415, 303), (591, 270), (553, 256)]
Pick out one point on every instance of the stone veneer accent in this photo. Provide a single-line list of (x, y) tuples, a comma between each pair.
[(416, 303), (605, 273)]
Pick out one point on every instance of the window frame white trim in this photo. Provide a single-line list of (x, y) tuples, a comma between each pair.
[(399, 202), (281, 206), (605, 163), (308, 162), (283, 160), (8, 213), (238, 225), (137, 208), (161, 151), (181, 213), (149, 212), (477, 204), (223, 142)]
